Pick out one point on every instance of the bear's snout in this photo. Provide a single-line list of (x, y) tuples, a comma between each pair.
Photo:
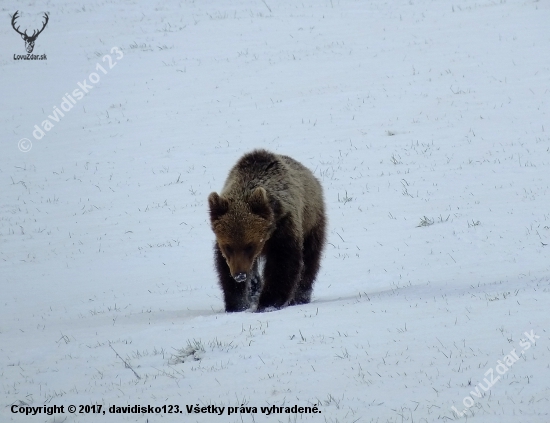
[(240, 277)]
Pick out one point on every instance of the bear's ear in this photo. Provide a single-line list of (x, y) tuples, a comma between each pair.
[(218, 206), (259, 204)]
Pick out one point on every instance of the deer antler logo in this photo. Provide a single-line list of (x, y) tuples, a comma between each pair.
[(29, 39)]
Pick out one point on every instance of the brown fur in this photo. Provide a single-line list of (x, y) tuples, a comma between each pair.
[(271, 206)]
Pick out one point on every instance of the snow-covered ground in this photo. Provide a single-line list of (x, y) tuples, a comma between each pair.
[(427, 123)]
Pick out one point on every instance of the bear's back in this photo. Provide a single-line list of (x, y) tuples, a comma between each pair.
[(289, 184)]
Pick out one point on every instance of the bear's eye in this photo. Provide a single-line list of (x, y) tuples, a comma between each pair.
[(228, 250), (249, 249)]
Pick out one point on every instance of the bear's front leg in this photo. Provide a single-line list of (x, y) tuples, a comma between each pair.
[(235, 294), (283, 267)]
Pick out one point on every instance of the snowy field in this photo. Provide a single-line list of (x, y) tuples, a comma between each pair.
[(428, 124)]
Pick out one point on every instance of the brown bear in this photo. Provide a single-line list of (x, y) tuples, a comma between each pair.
[(271, 207)]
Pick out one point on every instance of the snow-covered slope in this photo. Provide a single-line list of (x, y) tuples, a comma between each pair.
[(428, 125)]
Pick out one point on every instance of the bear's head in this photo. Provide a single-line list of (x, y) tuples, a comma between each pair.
[(242, 227)]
